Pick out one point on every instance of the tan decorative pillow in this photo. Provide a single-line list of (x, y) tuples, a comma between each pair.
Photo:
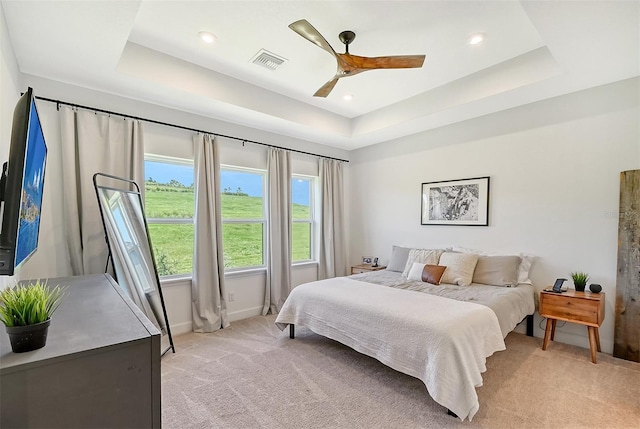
[(525, 263), (497, 270), (398, 259), (460, 267), (422, 256), (432, 273)]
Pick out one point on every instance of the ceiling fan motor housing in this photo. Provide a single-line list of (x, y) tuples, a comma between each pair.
[(347, 37)]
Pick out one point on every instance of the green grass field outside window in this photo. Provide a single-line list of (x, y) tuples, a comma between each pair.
[(243, 242)]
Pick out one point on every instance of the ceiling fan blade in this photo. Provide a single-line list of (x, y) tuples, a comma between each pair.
[(393, 62), (326, 88), (306, 30)]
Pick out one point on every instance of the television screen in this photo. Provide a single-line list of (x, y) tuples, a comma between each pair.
[(21, 186)]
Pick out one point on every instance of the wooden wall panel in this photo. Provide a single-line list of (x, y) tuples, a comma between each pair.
[(627, 327)]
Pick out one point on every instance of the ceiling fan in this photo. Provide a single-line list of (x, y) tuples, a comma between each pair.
[(349, 65)]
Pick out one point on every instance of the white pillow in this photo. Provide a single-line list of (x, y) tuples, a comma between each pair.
[(524, 268), (460, 267), (415, 273), (422, 256), (526, 261)]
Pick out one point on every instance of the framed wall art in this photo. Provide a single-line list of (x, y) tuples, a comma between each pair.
[(456, 202)]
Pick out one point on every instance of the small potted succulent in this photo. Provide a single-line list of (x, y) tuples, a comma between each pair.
[(26, 313), (580, 280)]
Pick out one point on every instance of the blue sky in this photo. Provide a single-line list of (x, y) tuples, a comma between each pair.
[(249, 183)]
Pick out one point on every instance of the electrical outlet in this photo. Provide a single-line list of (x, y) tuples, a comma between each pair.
[(232, 296)]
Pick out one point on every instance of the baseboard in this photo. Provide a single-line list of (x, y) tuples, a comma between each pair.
[(181, 328), (186, 327), (244, 314)]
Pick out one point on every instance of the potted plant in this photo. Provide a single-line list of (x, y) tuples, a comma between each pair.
[(580, 280), (26, 313)]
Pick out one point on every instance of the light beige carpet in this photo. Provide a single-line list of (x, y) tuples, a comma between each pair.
[(253, 376)]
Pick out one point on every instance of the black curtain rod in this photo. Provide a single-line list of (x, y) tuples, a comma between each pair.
[(58, 103)]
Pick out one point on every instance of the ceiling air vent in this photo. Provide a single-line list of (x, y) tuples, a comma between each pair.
[(268, 60)]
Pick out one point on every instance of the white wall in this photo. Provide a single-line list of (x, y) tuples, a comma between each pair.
[(554, 168), (51, 259), (10, 88)]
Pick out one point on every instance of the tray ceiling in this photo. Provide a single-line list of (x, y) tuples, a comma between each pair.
[(150, 50)]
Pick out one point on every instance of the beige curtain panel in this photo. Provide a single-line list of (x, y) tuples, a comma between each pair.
[(278, 284), (208, 292), (333, 249), (91, 143)]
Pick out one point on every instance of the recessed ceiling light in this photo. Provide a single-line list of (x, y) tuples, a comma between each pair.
[(207, 37), (348, 97), (476, 39)]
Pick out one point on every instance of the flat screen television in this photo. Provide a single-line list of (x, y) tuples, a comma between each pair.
[(21, 186)]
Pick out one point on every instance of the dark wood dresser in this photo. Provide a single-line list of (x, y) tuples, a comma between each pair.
[(100, 367)]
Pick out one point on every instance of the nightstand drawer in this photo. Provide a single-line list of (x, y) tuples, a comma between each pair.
[(365, 268), (570, 308)]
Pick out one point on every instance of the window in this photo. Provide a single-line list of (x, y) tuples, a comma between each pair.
[(302, 218), (243, 217), (169, 206)]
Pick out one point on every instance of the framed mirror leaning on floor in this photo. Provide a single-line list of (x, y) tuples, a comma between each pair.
[(130, 249)]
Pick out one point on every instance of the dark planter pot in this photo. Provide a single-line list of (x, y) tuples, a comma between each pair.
[(28, 338), (579, 288)]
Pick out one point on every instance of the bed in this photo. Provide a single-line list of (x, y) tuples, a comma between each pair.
[(441, 334)]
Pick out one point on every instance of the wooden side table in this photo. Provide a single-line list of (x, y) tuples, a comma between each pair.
[(585, 308), (365, 268)]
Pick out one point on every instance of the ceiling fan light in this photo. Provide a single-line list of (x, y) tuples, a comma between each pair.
[(476, 39), (207, 37), (347, 97)]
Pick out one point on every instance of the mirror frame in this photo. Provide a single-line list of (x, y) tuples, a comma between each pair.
[(126, 187)]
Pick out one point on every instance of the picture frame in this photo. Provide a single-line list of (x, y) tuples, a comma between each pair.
[(462, 202), (366, 260)]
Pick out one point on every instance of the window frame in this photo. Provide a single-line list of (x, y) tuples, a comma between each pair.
[(171, 221), (263, 221), (313, 257)]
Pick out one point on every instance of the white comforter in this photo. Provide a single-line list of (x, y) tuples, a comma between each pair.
[(441, 341)]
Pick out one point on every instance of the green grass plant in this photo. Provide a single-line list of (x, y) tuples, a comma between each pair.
[(23, 305), (579, 278)]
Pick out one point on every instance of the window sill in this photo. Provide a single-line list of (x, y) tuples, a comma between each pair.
[(176, 280), (169, 281), (247, 272), (304, 264), (263, 270)]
